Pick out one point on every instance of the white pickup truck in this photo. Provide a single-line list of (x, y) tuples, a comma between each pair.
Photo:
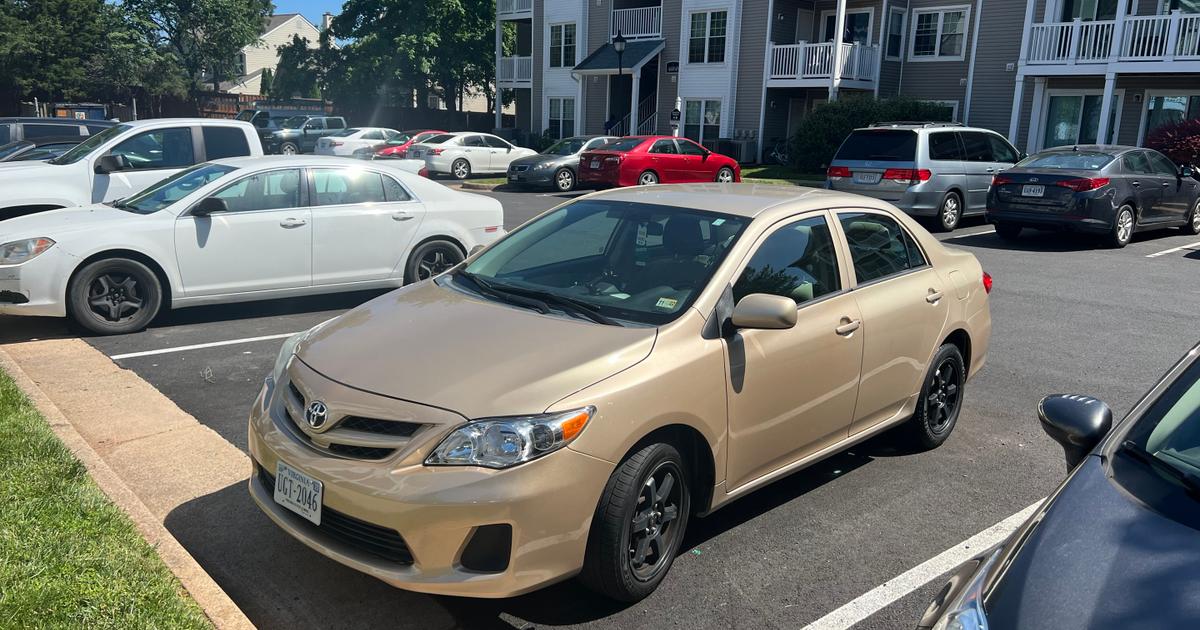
[(120, 161)]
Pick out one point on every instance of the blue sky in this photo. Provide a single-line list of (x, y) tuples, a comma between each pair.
[(312, 9)]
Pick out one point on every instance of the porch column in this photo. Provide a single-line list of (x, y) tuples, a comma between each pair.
[(633, 107), (1014, 122), (1110, 84), (1034, 144), (499, 100), (835, 73), (1118, 36)]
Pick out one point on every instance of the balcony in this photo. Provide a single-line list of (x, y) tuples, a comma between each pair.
[(1144, 40), (810, 65), (514, 9), (639, 23), (514, 72)]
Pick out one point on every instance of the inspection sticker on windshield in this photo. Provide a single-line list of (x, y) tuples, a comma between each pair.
[(718, 222), (666, 302), (641, 235)]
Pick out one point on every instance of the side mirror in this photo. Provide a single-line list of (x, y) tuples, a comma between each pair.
[(764, 312), (1022, 156), (111, 164), (209, 206), (1078, 423), (1186, 171)]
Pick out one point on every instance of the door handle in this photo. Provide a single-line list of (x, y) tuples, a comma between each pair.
[(848, 327), (292, 223), (991, 170), (934, 296), (1135, 183), (401, 216)]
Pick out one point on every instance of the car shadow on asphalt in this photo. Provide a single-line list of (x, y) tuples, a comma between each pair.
[(15, 329), (264, 308), (1032, 240)]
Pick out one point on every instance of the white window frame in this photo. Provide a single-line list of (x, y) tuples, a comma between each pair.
[(870, 22), (687, 36), (702, 100), (952, 104), (941, 13), (887, 32), (1149, 96), (549, 37), (574, 114), (1040, 138)]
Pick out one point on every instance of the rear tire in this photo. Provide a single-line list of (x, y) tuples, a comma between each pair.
[(639, 524), (460, 169), (949, 213), (1122, 229), (114, 296), (289, 148), (1192, 226), (941, 399), (648, 178), (1008, 232), (431, 258)]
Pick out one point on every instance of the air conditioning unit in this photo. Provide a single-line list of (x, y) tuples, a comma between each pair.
[(741, 150)]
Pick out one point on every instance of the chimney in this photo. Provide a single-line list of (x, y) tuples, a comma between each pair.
[(326, 21)]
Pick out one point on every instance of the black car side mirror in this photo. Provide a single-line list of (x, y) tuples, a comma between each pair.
[(1186, 171), (111, 164), (1077, 423), (209, 206)]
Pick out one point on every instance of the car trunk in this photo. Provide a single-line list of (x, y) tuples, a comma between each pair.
[(875, 162), (602, 164), (1038, 190)]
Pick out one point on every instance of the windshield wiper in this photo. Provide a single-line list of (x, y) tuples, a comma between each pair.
[(487, 288), (569, 304), (1189, 481)]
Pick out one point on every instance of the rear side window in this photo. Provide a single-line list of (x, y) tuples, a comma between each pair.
[(394, 191), (473, 141), (879, 247), (346, 186), (336, 123), (624, 144), (882, 145), (944, 146), (223, 142), (315, 123), (664, 146), (1135, 162), (46, 131), (977, 147)]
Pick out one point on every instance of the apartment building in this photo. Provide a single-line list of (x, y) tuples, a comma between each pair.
[(746, 72)]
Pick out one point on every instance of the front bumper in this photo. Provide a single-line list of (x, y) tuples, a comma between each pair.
[(532, 177), (38, 286), (548, 503)]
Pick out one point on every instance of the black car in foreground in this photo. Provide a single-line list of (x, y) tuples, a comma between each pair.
[(42, 148), (1117, 546), (1111, 191)]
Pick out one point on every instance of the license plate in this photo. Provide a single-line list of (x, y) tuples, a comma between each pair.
[(298, 492), (867, 178), (595, 163), (1033, 190)]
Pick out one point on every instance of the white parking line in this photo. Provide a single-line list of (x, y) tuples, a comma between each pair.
[(199, 346), (987, 231), (1193, 247), (885, 594)]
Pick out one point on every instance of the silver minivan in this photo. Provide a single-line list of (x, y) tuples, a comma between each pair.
[(937, 170)]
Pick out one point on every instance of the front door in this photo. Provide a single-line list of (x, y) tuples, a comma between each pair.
[(1176, 191), (499, 154), (363, 223), (904, 307), (478, 154), (1147, 189), (152, 156), (263, 242), (694, 163), (792, 392)]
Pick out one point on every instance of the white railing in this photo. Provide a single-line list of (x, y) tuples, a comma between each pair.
[(815, 61), (638, 23), (1141, 38), (515, 70), (648, 115), (507, 7)]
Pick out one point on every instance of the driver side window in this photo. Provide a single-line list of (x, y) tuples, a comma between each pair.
[(273, 190), (797, 261), (161, 148), (879, 247)]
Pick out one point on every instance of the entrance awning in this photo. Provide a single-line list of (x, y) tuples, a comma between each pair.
[(604, 60)]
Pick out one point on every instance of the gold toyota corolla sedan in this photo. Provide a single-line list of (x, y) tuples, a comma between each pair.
[(565, 401)]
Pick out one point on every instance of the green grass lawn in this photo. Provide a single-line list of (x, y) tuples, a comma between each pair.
[(776, 174), (69, 558)]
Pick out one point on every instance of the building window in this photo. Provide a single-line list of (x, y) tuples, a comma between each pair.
[(1075, 119), (951, 108), (1168, 109), (857, 30), (562, 117), (702, 121), (706, 43), (895, 33), (241, 64), (939, 34), (562, 46)]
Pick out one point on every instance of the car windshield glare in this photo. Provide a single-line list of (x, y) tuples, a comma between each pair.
[(1170, 429), (566, 146), (881, 145), (174, 188), (636, 262), (82, 149), (1075, 160)]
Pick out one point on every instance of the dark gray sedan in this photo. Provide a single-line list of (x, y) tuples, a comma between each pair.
[(556, 167), (1111, 191), (1118, 544)]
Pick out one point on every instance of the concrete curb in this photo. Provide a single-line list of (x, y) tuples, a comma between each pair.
[(211, 598), (472, 186)]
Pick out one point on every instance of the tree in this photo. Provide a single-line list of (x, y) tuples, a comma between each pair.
[(294, 74), (46, 47), (264, 83)]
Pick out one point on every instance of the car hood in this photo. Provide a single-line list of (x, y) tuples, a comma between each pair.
[(56, 224), (1100, 559), (20, 168), (438, 346), (540, 158)]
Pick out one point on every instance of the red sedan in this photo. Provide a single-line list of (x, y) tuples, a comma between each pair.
[(646, 160), (398, 146)]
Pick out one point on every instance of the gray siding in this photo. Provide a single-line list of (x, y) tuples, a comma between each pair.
[(539, 63), (750, 59), (891, 71), (595, 89), (668, 83), (993, 84), (940, 80)]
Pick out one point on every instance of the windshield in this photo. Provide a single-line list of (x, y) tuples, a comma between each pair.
[(294, 122), (624, 144), (246, 115), (1080, 160), (13, 148), (890, 146), (173, 188), (636, 262), (82, 149), (566, 146), (1170, 429)]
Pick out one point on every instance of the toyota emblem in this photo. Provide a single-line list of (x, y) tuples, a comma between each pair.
[(316, 414)]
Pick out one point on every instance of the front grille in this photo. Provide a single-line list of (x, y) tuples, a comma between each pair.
[(360, 452), (382, 427), (374, 426), (378, 541)]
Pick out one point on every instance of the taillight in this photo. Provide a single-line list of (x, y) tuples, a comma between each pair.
[(1083, 184), (335, 143), (436, 151), (1000, 180), (613, 158), (907, 176), (424, 172), (837, 172), (987, 282)]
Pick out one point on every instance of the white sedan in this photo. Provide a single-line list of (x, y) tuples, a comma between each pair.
[(239, 229), (465, 152), (347, 141)]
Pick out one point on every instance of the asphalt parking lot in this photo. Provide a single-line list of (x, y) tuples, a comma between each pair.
[(1068, 317)]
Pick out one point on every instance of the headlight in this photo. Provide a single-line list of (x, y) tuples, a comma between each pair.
[(966, 611), (285, 355), (18, 252), (505, 442), (542, 166)]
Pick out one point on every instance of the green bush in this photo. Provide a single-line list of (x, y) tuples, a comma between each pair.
[(824, 129)]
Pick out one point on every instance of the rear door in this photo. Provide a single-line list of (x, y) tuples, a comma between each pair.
[(665, 161), (313, 130), (867, 154), (1147, 189), (477, 153), (978, 168), (946, 162), (1177, 192)]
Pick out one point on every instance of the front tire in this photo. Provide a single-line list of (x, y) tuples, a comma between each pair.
[(460, 169), (1122, 229), (949, 213), (639, 524), (941, 399), (114, 296), (564, 180), (1192, 226), (725, 175), (648, 178), (289, 148), (431, 259)]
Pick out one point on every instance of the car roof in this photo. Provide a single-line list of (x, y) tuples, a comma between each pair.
[(44, 140), (298, 161), (745, 200), (57, 121), (1110, 149)]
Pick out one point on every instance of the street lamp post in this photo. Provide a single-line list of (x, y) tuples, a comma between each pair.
[(618, 43)]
